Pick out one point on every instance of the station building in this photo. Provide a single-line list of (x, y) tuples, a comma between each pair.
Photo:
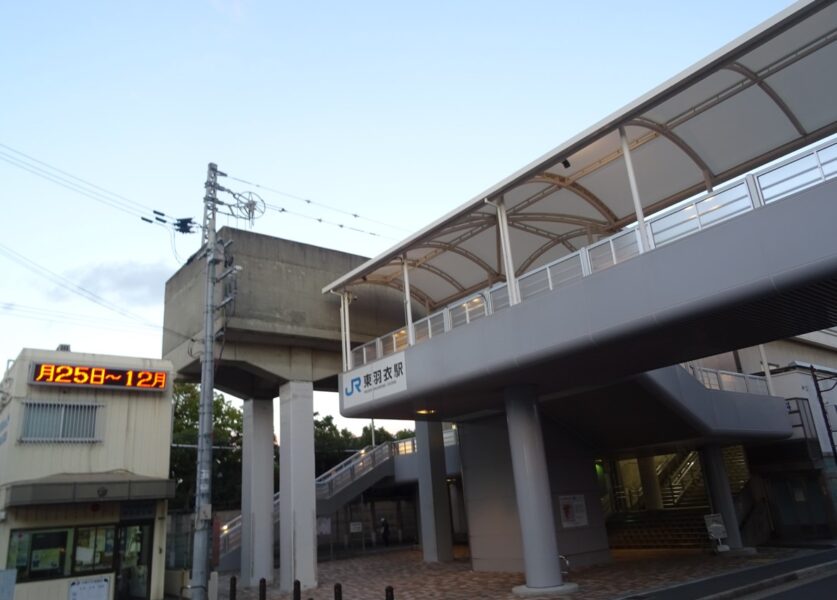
[(84, 475), (625, 319)]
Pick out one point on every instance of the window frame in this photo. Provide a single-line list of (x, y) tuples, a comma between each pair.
[(63, 420), (68, 571)]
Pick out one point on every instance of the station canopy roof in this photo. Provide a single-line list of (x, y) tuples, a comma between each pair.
[(769, 92)]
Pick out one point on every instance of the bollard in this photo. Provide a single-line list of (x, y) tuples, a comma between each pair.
[(390, 593), (262, 589), (338, 591), (297, 590), (232, 587)]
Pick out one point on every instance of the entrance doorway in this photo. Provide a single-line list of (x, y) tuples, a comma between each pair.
[(133, 561)]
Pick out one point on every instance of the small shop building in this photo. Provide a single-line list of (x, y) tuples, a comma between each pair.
[(84, 475)]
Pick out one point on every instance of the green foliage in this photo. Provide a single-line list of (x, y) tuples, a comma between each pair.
[(226, 459), (331, 447)]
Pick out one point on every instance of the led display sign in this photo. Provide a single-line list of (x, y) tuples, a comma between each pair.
[(104, 377)]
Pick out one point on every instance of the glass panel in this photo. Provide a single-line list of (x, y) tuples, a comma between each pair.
[(726, 204), (40, 554), (458, 316), (421, 330), (828, 160), (626, 246), (94, 549), (533, 283), (600, 257), (134, 562), (674, 226), (789, 178), (499, 298), (568, 269), (437, 324), (476, 308)]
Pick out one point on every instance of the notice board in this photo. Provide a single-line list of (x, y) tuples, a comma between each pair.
[(93, 589)]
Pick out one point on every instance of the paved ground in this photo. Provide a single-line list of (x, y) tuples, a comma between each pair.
[(632, 571)]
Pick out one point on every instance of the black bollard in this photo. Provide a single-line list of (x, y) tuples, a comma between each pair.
[(262, 589), (338, 591), (232, 587), (297, 590), (390, 593)]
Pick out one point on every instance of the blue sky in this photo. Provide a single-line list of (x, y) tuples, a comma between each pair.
[(396, 111)]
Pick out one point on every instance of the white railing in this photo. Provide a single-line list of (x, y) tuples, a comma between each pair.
[(337, 479), (728, 381), (753, 191)]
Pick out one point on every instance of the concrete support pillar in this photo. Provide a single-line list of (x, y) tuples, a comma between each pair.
[(436, 539), (298, 505), (457, 508), (534, 497), (650, 483), (720, 494), (257, 493)]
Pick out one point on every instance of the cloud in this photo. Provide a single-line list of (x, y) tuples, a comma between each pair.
[(127, 283)]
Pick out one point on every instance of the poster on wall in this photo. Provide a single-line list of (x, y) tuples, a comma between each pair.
[(94, 589), (7, 584), (573, 510)]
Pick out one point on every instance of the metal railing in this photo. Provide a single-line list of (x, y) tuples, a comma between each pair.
[(728, 381), (338, 478), (762, 187)]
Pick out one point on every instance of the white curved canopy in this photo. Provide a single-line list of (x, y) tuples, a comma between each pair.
[(766, 94)]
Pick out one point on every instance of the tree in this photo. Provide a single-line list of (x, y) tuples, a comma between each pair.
[(226, 454), (331, 446)]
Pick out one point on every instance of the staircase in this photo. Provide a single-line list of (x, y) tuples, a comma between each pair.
[(334, 488), (680, 524), (673, 528)]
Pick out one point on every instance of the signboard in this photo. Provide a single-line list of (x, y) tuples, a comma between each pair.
[(95, 589), (323, 525), (573, 510), (7, 584), (375, 380), (715, 526), (98, 377), (356, 527)]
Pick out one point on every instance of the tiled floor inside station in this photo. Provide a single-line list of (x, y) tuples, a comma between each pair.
[(632, 571)]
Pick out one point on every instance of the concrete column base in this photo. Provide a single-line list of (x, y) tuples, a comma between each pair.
[(524, 591)]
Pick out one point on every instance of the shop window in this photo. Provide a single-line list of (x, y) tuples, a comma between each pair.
[(41, 554), (52, 422), (94, 549)]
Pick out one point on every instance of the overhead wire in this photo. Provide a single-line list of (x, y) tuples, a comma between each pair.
[(316, 203), (79, 290)]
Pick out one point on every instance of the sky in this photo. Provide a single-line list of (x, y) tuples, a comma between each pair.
[(397, 112)]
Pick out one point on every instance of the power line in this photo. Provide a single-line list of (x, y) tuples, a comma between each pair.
[(79, 290), (315, 203), (84, 187), (281, 209), (52, 316)]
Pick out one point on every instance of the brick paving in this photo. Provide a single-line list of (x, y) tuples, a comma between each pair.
[(366, 578)]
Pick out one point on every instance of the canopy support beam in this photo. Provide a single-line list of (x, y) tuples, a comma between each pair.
[(408, 304), (640, 217), (505, 249)]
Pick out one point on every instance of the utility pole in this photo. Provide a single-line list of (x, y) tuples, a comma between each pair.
[(203, 497)]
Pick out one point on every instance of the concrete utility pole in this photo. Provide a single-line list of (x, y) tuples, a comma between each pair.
[(203, 497)]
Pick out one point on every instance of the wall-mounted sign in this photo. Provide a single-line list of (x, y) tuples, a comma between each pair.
[(100, 377), (375, 380), (573, 510), (356, 527), (97, 589)]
